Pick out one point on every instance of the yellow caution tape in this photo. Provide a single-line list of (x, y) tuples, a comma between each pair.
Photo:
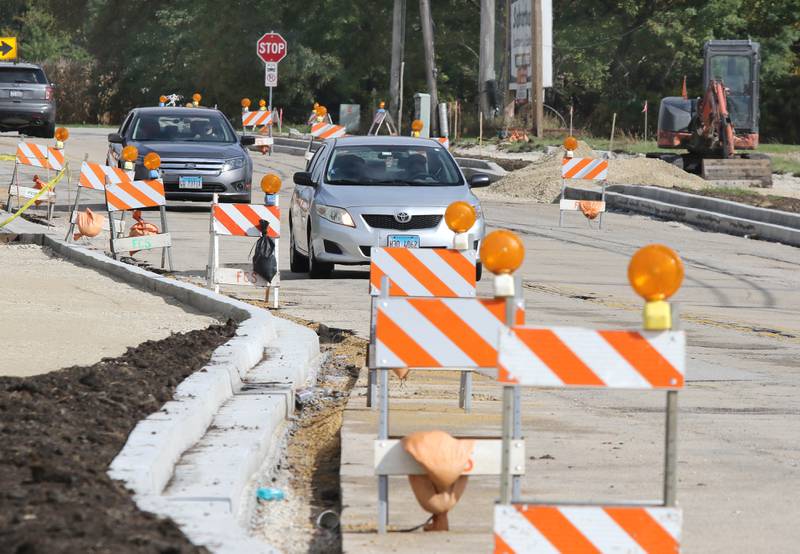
[(7, 158), (50, 184)]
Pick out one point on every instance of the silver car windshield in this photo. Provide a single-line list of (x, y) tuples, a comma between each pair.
[(412, 165), (182, 128)]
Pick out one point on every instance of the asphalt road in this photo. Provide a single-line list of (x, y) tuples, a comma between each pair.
[(739, 452)]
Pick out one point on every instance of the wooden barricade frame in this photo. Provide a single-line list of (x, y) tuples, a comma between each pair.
[(389, 457), (241, 274), (119, 243), (15, 190), (586, 169), (576, 358)]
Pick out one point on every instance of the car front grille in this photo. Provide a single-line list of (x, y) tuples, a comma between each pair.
[(194, 166), (387, 221)]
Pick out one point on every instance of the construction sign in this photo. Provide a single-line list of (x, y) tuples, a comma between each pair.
[(8, 48)]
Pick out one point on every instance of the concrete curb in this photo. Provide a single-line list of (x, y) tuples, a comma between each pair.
[(711, 214), (149, 460)]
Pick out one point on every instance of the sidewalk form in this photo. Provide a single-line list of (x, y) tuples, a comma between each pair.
[(193, 460)]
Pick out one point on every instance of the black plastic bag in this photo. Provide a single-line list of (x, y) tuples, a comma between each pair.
[(265, 262)]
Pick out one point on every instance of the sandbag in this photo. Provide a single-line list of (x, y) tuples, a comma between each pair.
[(442, 456), (590, 208), (141, 228), (431, 499), (264, 261), (89, 224)]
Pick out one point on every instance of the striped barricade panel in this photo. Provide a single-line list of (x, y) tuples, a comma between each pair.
[(529, 529), (94, 176), (129, 195), (423, 272), (575, 357), (455, 333), (327, 130), (257, 118), (45, 157), (584, 168), (242, 220)]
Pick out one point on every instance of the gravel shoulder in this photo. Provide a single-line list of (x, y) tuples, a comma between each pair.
[(56, 314)]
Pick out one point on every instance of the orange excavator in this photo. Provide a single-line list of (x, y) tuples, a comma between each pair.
[(720, 128)]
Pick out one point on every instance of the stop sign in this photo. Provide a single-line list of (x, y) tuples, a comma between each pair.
[(271, 47)]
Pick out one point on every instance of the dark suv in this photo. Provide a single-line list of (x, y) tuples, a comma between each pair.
[(27, 103)]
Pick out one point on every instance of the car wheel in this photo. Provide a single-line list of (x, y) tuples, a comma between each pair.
[(316, 268), (297, 262), (478, 271)]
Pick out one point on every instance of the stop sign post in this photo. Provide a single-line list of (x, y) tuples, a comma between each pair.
[(271, 48)]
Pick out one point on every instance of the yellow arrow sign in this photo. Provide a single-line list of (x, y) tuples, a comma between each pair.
[(8, 48)]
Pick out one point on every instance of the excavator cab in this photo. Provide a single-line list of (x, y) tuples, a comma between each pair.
[(736, 63)]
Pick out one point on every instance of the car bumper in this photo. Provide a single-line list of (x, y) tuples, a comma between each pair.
[(352, 246), (26, 114), (234, 185)]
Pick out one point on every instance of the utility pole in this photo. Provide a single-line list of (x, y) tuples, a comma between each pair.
[(430, 60), (537, 78), (502, 82), (398, 48), (486, 63)]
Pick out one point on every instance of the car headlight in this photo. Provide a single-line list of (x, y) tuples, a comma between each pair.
[(233, 163), (336, 215)]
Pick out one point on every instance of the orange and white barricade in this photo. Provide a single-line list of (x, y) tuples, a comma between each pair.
[(128, 195), (435, 334), (264, 119), (566, 357), (585, 169), (323, 130), (95, 177), (46, 158), (422, 272), (241, 220)]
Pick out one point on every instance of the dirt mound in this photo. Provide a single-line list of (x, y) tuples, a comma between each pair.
[(60, 431), (650, 171), (541, 181)]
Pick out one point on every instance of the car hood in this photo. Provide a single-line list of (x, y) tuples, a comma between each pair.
[(189, 149), (345, 196)]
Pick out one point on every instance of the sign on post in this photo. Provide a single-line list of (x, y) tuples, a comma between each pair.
[(8, 48), (271, 48), (271, 74)]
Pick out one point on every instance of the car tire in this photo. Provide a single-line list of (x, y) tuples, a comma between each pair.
[(478, 271), (48, 131), (298, 263), (316, 268)]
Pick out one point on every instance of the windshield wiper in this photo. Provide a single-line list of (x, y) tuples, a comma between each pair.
[(348, 182)]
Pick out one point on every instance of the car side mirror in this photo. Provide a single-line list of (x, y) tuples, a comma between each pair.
[(479, 180), (247, 140), (115, 138), (303, 178)]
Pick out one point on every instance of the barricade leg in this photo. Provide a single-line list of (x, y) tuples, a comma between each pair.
[(371, 388), (465, 391), (516, 480), (506, 487), (13, 182), (71, 228), (165, 230), (560, 211), (671, 450), (383, 434)]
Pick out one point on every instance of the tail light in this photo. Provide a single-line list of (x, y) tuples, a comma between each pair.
[(48, 93)]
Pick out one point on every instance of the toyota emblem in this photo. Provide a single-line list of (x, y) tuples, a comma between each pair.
[(402, 217)]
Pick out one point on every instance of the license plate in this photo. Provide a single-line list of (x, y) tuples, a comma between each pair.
[(15, 93), (195, 183), (403, 241)]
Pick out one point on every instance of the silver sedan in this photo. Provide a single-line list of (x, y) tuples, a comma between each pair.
[(364, 192)]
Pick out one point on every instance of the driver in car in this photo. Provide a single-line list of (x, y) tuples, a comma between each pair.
[(417, 167)]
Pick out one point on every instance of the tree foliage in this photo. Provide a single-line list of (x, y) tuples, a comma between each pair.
[(609, 56)]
